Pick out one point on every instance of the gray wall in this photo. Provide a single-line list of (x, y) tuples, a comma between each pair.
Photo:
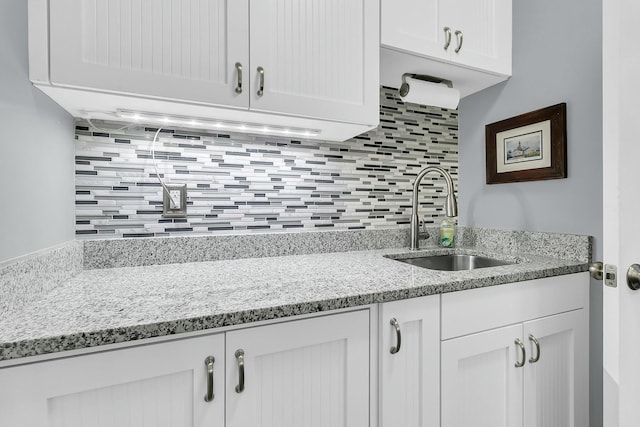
[(36, 150), (557, 55)]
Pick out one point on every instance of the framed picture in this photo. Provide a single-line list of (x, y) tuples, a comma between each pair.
[(529, 147)]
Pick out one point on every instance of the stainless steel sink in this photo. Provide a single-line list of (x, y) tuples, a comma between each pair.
[(453, 262)]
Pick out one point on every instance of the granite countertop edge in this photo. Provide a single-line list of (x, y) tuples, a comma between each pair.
[(531, 267)]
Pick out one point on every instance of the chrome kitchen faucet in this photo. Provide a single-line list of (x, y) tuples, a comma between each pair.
[(450, 209)]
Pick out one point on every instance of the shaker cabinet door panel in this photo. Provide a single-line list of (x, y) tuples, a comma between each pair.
[(147, 386), (311, 372), (171, 49)]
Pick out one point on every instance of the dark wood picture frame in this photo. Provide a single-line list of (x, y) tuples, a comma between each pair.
[(556, 146)]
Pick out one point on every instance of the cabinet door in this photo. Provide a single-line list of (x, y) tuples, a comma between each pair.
[(312, 372), (485, 27), (148, 386), (414, 26), (481, 386), (410, 378), (556, 385), (173, 49), (320, 58)]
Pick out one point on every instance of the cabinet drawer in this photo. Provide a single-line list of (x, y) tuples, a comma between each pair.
[(476, 310)]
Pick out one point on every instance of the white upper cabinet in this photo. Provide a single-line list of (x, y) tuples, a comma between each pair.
[(316, 58), (413, 26), (465, 41), (171, 49), (299, 64), (480, 33)]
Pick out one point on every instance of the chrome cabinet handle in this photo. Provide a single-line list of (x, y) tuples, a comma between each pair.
[(396, 348), (240, 358), (209, 364), (261, 75), (447, 37), (537, 344), (239, 83), (523, 351), (460, 38)]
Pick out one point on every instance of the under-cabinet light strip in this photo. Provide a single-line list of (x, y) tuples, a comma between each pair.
[(167, 120)]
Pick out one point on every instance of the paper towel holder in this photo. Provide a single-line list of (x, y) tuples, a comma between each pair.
[(404, 88)]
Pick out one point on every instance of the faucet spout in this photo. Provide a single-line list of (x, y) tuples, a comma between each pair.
[(450, 208)]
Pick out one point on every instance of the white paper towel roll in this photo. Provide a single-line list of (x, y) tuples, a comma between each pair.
[(428, 93)]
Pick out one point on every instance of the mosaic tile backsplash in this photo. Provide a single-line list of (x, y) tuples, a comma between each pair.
[(239, 183)]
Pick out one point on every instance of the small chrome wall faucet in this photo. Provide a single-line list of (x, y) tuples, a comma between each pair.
[(450, 209)]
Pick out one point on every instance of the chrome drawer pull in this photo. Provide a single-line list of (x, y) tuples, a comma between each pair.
[(261, 75), (239, 71), (447, 37), (459, 36), (537, 344), (209, 364), (520, 364), (396, 348), (240, 358)]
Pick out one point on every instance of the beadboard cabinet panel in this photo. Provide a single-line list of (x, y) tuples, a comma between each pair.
[(472, 33), (465, 41), (481, 386), (414, 26), (304, 68), (556, 385), (485, 33), (148, 386), (317, 58), (534, 333), (312, 372), (170, 48), (159, 401), (410, 378)]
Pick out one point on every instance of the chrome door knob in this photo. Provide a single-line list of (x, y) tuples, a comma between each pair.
[(633, 277), (596, 270)]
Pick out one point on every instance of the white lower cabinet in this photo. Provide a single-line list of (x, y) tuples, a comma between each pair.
[(514, 355), (528, 373), (154, 385), (556, 386), (409, 354), (480, 385), (312, 372)]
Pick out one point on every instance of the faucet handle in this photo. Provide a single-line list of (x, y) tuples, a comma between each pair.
[(423, 234)]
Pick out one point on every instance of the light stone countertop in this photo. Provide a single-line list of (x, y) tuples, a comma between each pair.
[(107, 306)]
